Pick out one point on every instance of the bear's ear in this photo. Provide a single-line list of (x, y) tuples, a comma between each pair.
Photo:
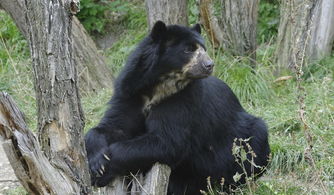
[(158, 31), (197, 28)]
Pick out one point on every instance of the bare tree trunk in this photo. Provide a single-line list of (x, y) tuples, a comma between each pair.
[(168, 11), (239, 27), (92, 68), (293, 32), (60, 116), (57, 163), (307, 27), (322, 30), (210, 22)]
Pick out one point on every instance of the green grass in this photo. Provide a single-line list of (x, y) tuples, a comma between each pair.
[(16, 191), (288, 173)]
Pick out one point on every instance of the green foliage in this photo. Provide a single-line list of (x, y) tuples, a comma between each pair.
[(92, 14), (12, 43), (268, 20), (193, 12), (96, 15), (16, 191)]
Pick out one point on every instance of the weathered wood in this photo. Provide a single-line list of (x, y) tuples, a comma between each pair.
[(117, 187), (293, 31), (322, 30), (156, 182), (306, 32), (56, 164), (60, 116), (168, 11), (92, 67), (32, 168), (239, 27), (210, 22)]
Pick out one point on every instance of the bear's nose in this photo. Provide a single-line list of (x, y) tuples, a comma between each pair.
[(208, 65)]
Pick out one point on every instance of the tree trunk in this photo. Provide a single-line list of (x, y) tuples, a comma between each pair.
[(168, 11), (306, 32), (60, 116), (239, 27), (57, 163), (210, 23), (92, 68), (322, 30), (293, 32)]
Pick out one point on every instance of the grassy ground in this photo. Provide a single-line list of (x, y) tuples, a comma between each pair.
[(275, 102)]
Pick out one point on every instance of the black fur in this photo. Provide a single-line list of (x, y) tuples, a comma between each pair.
[(191, 130)]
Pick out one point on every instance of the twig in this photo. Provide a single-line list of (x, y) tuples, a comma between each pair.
[(141, 186)]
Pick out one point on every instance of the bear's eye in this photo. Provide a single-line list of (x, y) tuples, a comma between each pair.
[(190, 48)]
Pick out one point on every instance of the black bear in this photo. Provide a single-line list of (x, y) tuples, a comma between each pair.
[(167, 108)]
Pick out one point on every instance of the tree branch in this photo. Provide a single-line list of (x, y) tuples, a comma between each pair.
[(30, 165)]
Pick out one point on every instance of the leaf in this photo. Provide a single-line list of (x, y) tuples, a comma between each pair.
[(243, 155), (237, 177)]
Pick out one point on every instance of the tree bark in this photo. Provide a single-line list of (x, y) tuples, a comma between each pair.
[(322, 30), (293, 32), (154, 183), (93, 71), (210, 22), (239, 18), (157, 180), (306, 32), (57, 163), (40, 176), (168, 11), (33, 169), (92, 67), (60, 116)]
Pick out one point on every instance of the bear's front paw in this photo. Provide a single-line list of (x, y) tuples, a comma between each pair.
[(100, 169)]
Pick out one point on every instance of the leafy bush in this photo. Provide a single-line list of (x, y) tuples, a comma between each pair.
[(268, 20), (97, 15), (92, 14)]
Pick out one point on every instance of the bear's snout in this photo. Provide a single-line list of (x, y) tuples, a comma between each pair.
[(208, 65)]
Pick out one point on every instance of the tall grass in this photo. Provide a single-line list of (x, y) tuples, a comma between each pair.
[(15, 69)]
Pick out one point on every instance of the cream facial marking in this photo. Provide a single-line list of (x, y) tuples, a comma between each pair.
[(169, 84), (174, 81), (195, 58)]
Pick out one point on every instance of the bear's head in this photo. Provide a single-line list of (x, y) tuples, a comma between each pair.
[(181, 50), (166, 60)]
